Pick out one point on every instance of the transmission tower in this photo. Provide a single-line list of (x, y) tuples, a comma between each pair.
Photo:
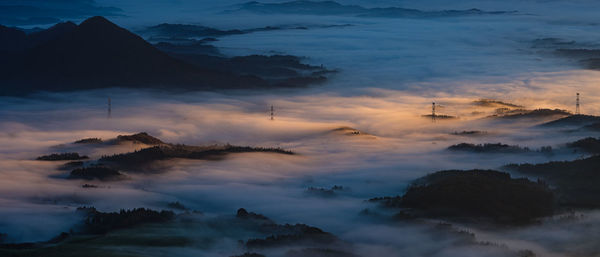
[(433, 111), (577, 111), (272, 113), (109, 108)]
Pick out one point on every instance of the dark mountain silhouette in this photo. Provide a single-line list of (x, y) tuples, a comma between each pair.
[(141, 160), (96, 172), (488, 148), (588, 144), (469, 133), (97, 222), (249, 255), (98, 54), (475, 194), (14, 40), (586, 55), (43, 36), (91, 140), (141, 137), (573, 120), (62, 157), (529, 114), (11, 39), (576, 182)]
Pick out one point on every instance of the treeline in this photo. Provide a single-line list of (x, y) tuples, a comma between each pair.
[(96, 172), (168, 151), (62, 157), (576, 181), (103, 222), (475, 194)]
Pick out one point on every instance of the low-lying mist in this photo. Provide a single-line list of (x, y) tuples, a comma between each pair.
[(395, 145)]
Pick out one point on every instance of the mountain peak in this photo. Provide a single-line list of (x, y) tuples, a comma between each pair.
[(96, 21)]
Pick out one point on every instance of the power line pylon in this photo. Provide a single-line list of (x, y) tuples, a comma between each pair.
[(433, 111), (577, 111)]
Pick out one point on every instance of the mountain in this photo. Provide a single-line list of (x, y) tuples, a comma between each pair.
[(39, 37), (474, 195), (15, 40), (335, 8), (573, 120), (96, 54), (11, 39)]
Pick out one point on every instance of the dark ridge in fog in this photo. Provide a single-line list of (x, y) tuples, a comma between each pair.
[(576, 181), (177, 206), (94, 223), (529, 114), (584, 55), (474, 195), (103, 222), (349, 131), (488, 148), (96, 172), (249, 255), (144, 157), (98, 231), (494, 103), (325, 192), (296, 235), (138, 138), (187, 32), (334, 8), (88, 141), (286, 235), (142, 137), (71, 165), (107, 167), (594, 127), (469, 133), (589, 145), (98, 54), (62, 157), (573, 120), (183, 31)]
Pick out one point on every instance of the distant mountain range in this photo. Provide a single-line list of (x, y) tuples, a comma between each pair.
[(171, 32), (335, 8), (37, 12), (188, 30), (98, 54)]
